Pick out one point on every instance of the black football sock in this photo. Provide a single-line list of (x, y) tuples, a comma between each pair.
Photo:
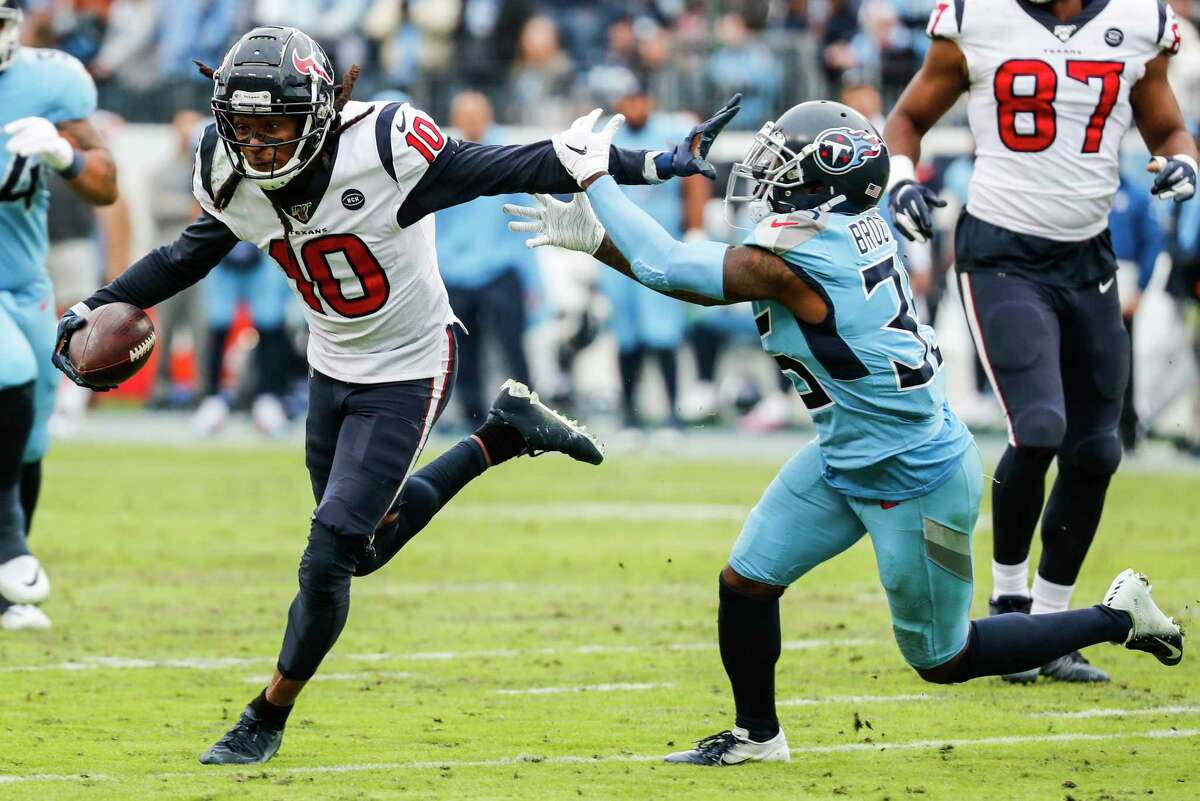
[(425, 493), (1017, 497), (1070, 522), (31, 488), (500, 443), (706, 345), (1013, 643), (270, 715), (16, 421), (748, 630)]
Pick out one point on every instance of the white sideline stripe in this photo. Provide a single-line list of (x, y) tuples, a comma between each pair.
[(916, 745), (587, 688), (1120, 713), (597, 510), (366, 675), (122, 663), (859, 699)]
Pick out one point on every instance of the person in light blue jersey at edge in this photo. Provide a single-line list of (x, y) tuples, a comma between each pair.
[(45, 99), (647, 324), (834, 308), (488, 275)]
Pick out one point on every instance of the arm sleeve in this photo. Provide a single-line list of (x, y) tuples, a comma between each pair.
[(945, 21), (657, 259), (464, 171), (172, 268)]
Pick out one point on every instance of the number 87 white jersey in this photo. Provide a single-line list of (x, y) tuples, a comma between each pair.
[(1048, 105)]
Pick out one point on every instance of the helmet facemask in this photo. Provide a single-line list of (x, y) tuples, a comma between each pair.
[(318, 117), (10, 35), (771, 169)]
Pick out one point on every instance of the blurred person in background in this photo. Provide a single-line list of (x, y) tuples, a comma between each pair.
[(126, 66), (180, 318), (646, 323), (246, 276), (1137, 240), (743, 63), (46, 98), (196, 30), (487, 271), (486, 40), (541, 77)]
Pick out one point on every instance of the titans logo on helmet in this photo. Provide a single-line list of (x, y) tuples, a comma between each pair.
[(840, 150)]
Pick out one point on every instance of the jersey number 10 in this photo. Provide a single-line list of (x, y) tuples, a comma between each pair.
[(1039, 104)]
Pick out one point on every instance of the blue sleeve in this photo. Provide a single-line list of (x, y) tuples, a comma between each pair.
[(466, 170), (172, 268), (74, 95)]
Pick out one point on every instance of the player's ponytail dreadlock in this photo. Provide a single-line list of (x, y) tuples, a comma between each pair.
[(342, 95)]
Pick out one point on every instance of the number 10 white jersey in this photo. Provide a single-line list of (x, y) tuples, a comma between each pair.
[(1048, 105)]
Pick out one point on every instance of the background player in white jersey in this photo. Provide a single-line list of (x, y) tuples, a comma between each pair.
[(1051, 90), (834, 308), (45, 99), (341, 194)]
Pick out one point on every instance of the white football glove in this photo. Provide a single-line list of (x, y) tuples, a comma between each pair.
[(573, 225), (581, 150), (37, 137)]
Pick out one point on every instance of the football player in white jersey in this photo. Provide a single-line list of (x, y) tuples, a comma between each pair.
[(341, 194), (1052, 86)]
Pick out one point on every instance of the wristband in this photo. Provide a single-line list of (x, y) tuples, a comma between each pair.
[(75, 168), (902, 169)]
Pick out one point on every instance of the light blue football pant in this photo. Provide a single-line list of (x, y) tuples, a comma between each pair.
[(263, 287), (922, 547), (28, 325)]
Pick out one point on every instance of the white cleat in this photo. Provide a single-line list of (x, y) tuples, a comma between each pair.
[(211, 416), (1152, 631), (23, 617), (733, 748), (22, 580), (269, 417)]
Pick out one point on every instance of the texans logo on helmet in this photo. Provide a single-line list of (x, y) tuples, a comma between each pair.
[(310, 66), (840, 150)]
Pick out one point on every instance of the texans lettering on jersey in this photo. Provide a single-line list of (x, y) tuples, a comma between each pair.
[(370, 289), (1048, 105)]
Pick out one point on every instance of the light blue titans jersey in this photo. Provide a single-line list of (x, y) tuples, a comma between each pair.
[(37, 83), (663, 203), (870, 375)]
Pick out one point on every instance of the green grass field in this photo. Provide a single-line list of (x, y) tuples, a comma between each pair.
[(549, 636)]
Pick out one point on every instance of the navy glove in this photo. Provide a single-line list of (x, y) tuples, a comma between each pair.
[(68, 324), (909, 204), (690, 157), (1175, 177)]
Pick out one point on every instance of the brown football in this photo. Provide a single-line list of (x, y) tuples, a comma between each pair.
[(114, 344)]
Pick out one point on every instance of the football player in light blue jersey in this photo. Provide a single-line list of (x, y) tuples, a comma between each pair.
[(834, 308), (45, 99)]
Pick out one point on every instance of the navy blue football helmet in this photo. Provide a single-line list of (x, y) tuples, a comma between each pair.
[(818, 155)]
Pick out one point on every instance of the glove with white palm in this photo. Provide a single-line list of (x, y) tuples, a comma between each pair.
[(584, 152), (37, 137), (572, 225)]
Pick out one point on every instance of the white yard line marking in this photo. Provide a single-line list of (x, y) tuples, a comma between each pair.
[(365, 675), (203, 663), (586, 688), (50, 777), (860, 699), (1120, 713), (446, 764)]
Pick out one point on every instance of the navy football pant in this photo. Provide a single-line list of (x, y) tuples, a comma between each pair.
[(493, 311), (1058, 360), (362, 442)]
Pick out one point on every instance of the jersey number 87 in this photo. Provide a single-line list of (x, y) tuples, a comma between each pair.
[(1039, 104)]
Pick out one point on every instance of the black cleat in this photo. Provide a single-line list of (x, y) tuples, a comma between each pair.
[(249, 742), (1073, 668), (544, 429), (1009, 604)]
